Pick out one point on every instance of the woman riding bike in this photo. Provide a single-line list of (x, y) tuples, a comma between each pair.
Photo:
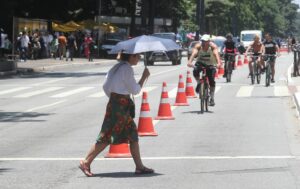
[(208, 56), (257, 49)]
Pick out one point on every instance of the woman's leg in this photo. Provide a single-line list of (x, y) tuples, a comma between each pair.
[(135, 152), (94, 151)]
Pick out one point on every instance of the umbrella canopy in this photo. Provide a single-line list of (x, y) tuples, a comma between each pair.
[(143, 44)]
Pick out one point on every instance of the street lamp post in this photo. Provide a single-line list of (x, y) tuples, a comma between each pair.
[(200, 18)]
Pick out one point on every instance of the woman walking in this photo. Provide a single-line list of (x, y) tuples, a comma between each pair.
[(118, 125)]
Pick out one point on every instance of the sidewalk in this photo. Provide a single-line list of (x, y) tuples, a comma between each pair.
[(50, 64)]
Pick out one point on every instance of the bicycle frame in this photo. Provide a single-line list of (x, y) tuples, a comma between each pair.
[(204, 89), (229, 65), (268, 59), (256, 74)]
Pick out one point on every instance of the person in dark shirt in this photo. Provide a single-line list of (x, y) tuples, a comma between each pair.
[(271, 48), (71, 46), (229, 50)]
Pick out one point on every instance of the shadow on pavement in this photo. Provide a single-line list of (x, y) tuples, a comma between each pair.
[(125, 175), (3, 170), (60, 74), (21, 116), (197, 112)]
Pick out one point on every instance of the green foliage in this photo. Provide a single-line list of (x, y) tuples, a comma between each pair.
[(278, 17)]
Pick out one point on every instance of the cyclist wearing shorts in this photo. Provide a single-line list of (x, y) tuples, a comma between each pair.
[(229, 47), (271, 47), (208, 57), (257, 49)]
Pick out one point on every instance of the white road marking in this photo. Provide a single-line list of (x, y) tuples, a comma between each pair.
[(97, 95), (45, 106), (72, 92), (245, 91), (217, 89), (38, 92), (281, 91), (13, 90), (51, 81), (160, 158)]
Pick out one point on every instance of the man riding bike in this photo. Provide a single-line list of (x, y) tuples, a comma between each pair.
[(229, 49), (207, 56), (257, 49), (271, 48)]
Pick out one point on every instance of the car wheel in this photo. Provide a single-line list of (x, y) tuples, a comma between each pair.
[(150, 63)]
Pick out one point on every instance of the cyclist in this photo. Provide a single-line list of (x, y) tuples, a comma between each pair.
[(257, 49), (208, 57), (229, 47), (271, 47)]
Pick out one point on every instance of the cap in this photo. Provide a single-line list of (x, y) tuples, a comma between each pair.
[(205, 37)]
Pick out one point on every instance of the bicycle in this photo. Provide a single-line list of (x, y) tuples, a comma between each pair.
[(256, 70), (229, 65), (268, 59), (203, 89)]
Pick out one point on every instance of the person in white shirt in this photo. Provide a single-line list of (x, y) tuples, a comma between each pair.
[(118, 125), (24, 46)]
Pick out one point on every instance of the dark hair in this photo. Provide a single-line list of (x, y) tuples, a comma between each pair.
[(229, 35), (124, 57)]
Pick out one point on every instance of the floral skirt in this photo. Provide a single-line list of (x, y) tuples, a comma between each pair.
[(118, 125)]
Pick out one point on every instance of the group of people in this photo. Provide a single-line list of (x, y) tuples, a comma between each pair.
[(208, 57), (60, 45), (119, 126)]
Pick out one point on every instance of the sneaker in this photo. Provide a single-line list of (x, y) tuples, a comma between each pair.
[(272, 81), (197, 88), (212, 102)]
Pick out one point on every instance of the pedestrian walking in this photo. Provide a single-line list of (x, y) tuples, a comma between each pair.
[(92, 48), (118, 125), (71, 46), (87, 40), (62, 43)]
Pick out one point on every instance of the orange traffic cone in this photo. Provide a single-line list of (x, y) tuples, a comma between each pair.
[(239, 61), (181, 99), (118, 151), (189, 89), (221, 71), (164, 111), (145, 126), (246, 59)]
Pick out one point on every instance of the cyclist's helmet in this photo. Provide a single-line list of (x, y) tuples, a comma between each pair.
[(229, 36), (205, 37)]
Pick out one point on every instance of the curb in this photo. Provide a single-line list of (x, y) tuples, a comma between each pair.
[(296, 97)]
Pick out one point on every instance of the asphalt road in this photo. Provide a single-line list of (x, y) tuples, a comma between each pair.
[(249, 140)]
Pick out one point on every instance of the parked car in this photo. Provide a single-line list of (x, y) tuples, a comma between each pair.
[(164, 56), (106, 46), (190, 48), (219, 41)]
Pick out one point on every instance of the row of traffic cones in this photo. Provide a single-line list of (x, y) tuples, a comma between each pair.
[(145, 124)]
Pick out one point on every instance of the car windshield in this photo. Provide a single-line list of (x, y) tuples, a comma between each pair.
[(219, 42), (165, 35), (248, 37)]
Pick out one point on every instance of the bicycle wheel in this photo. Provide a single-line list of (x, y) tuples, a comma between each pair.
[(201, 97), (253, 74), (268, 74), (229, 71), (206, 97), (258, 74)]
